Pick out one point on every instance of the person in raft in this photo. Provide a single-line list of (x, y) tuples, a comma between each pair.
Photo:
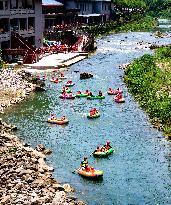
[(69, 82), (110, 89), (84, 164), (52, 116), (62, 75), (90, 94), (107, 146), (98, 149), (119, 96), (86, 92), (63, 92), (79, 92), (94, 111), (100, 93), (63, 118), (91, 113), (56, 80)]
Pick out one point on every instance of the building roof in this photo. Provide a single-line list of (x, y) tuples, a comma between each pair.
[(51, 3)]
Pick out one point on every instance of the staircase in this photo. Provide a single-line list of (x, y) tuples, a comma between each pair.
[(17, 40), (19, 46)]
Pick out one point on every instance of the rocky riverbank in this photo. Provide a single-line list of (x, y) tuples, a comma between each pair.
[(25, 177), (15, 86)]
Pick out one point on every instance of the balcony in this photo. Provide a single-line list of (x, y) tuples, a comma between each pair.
[(26, 32), (4, 36), (4, 13), (31, 31), (21, 11)]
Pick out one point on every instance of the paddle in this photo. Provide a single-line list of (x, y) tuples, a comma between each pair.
[(75, 171), (92, 153)]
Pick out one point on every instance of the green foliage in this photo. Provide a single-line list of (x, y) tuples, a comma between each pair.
[(159, 7), (130, 3), (164, 52), (144, 24), (155, 8), (151, 86), (139, 24)]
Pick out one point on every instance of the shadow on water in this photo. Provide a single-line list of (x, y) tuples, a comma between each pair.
[(139, 171)]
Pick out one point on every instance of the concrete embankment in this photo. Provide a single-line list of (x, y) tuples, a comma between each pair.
[(25, 177)]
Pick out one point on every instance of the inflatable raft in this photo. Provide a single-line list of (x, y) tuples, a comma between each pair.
[(67, 90), (55, 81), (120, 100), (103, 154), (69, 84), (62, 78), (93, 116), (114, 92), (82, 95), (58, 121), (67, 96), (95, 97), (92, 173)]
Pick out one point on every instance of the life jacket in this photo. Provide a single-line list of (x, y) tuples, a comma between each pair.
[(84, 163)]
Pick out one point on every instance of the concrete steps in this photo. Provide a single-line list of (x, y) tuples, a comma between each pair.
[(59, 63)]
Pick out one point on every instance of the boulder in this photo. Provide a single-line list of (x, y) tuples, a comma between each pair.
[(85, 75), (39, 88), (40, 148), (59, 198), (68, 188), (47, 151)]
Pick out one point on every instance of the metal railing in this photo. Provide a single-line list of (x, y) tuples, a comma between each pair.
[(4, 36), (21, 11)]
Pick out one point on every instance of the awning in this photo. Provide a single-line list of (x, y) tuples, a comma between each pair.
[(51, 3), (89, 15)]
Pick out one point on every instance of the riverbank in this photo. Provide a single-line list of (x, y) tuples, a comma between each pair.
[(25, 176), (148, 79), (15, 86)]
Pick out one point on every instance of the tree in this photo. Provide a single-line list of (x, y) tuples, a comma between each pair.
[(156, 7), (130, 3)]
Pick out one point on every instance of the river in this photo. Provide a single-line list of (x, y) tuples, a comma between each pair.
[(138, 171)]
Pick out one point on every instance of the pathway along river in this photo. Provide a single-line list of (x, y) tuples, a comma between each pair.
[(138, 172)]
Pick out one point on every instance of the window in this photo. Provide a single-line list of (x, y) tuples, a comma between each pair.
[(1, 5), (6, 5)]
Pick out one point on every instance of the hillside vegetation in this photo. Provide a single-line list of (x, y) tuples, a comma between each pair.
[(149, 80), (155, 8)]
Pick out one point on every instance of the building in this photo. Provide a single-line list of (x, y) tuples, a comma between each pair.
[(58, 13), (52, 11), (90, 10), (23, 17)]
